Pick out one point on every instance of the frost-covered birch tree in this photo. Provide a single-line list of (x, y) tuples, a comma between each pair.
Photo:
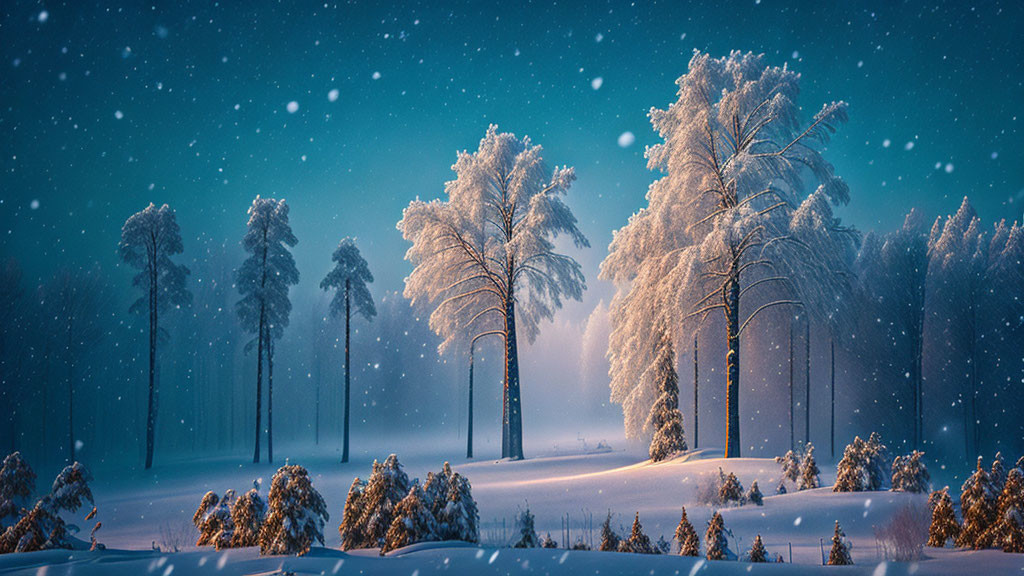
[(348, 279), (485, 260), (263, 280), (726, 229), (148, 241)]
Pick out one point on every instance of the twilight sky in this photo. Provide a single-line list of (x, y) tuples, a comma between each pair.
[(349, 111)]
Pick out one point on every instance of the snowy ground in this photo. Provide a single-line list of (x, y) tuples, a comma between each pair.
[(156, 508)]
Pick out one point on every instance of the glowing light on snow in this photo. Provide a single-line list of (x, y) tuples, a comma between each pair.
[(292, 107), (332, 96), (696, 567), (626, 139), (479, 554), (376, 75), (798, 520), (43, 16), (118, 114), (34, 204), (596, 83), (493, 557)]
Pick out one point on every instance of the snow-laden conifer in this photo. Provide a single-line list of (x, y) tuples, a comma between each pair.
[(754, 494), (997, 474), (412, 522), (686, 536), (548, 542), (459, 518), (839, 555), (263, 280), (731, 491), (665, 418), (638, 542), (148, 241), (909, 474), (484, 258), (724, 227), (296, 514), (42, 528), (944, 526), (527, 534), (348, 279), (352, 530), (978, 508), (716, 545), (1007, 532), (387, 485), (609, 539), (809, 470), (790, 466), (247, 516), (213, 520), (17, 483), (757, 552)]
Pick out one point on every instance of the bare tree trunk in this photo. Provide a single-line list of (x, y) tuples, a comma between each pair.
[(151, 409), (348, 316), (270, 396), (832, 345), (696, 398), (316, 359), (71, 391), (469, 432), (732, 363), (971, 422), (792, 437), (515, 418), (807, 390), (259, 386)]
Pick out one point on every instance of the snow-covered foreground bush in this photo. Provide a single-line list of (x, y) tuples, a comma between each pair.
[(41, 527)]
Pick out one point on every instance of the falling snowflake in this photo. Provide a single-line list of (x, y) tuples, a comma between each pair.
[(292, 107), (626, 139), (596, 83)]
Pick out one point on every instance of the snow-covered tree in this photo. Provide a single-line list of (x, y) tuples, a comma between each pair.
[(527, 533), (757, 552), (731, 491), (728, 226), (978, 507), (548, 542), (781, 488), (998, 472), (686, 536), (17, 483), (662, 546), (459, 518), (790, 466), (485, 260), (863, 466), (909, 474), (638, 542), (809, 470), (214, 520), (412, 522), (435, 489), (716, 546), (387, 485), (839, 555), (352, 529), (609, 539), (148, 241), (296, 514), (263, 280), (944, 526), (754, 495), (348, 279), (665, 418), (42, 528), (877, 465), (247, 515), (1008, 530)]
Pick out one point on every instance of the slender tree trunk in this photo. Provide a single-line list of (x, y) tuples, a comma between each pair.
[(807, 390), (696, 398), (348, 317), (732, 363), (71, 392), (317, 424), (792, 437), (971, 421), (832, 436), (515, 418), (270, 396), (469, 428), (151, 406), (259, 386)]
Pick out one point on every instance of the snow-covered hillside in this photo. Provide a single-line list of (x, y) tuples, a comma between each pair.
[(142, 511)]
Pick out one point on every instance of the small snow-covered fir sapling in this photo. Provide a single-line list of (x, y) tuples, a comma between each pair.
[(296, 514), (17, 483), (978, 508), (213, 520), (909, 474), (548, 542), (412, 522), (731, 491), (809, 470), (790, 467), (851, 471), (247, 516), (638, 542), (1008, 530), (755, 495), (757, 552), (781, 488), (876, 456), (944, 526), (665, 418), (686, 536), (609, 539), (997, 475), (716, 546), (839, 555), (580, 545), (42, 528), (527, 533), (663, 546)]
